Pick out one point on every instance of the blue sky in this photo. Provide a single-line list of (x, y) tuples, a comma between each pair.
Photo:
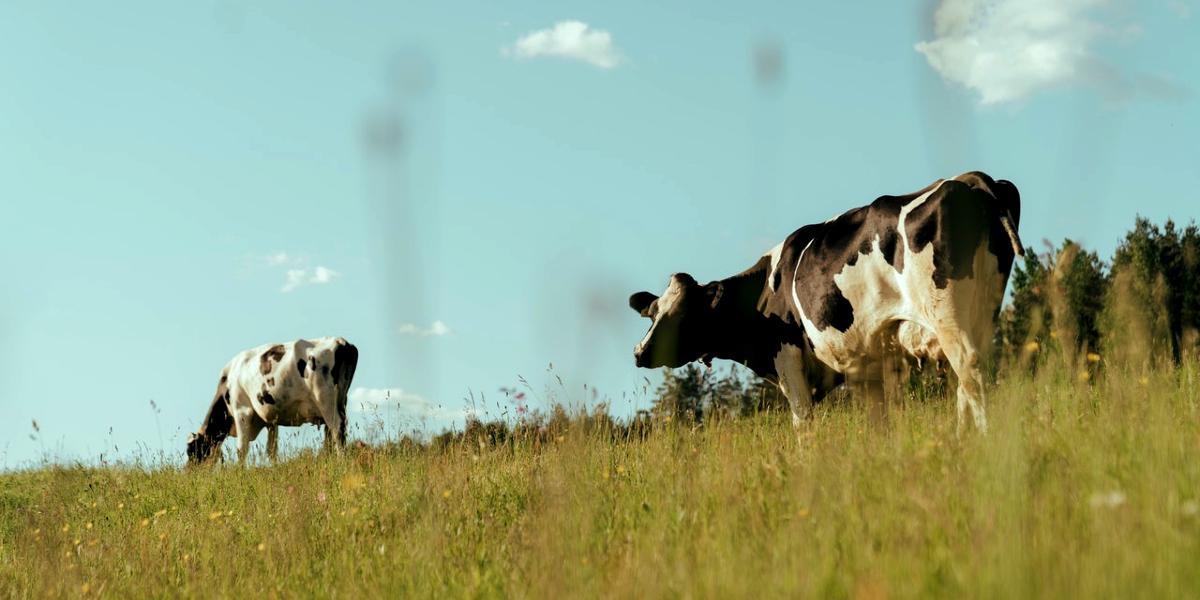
[(470, 192)]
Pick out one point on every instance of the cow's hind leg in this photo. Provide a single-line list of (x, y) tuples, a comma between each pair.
[(335, 428), (964, 358), (272, 441)]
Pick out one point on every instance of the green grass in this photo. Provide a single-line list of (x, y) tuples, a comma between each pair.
[(1079, 490)]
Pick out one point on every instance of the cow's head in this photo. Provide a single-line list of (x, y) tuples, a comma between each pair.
[(199, 448), (682, 318)]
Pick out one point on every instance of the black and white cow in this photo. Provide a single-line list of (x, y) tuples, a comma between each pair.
[(305, 381), (836, 301)]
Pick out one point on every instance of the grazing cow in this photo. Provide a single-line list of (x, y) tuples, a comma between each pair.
[(305, 381), (836, 301)]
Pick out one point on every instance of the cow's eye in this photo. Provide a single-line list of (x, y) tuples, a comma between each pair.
[(325, 370)]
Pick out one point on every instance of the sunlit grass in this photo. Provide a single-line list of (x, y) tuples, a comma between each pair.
[(1081, 489)]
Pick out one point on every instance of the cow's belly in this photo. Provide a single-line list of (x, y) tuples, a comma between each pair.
[(288, 414), (288, 403)]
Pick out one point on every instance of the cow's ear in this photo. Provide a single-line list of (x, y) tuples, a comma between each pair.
[(641, 302), (715, 290)]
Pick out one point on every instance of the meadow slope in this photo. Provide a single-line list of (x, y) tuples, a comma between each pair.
[(1079, 490)]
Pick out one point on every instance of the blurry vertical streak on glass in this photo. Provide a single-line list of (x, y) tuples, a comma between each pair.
[(602, 301), (948, 127), (767, 127), (400, 142)]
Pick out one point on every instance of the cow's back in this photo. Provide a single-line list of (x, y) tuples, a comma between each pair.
[(899, 259)]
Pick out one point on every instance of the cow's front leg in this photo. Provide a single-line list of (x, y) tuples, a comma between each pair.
[(248, 425), (793, 382)]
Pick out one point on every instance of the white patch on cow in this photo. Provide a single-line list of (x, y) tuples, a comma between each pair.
[(666, 303), (776, 253), (795, 296)]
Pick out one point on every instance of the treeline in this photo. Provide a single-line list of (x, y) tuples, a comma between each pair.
[(689, 396), (1140, 307), (1137, 309)]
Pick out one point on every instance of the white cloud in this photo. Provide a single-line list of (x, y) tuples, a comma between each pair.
[(572, 40), (368, 400), (1009, 50), (277, 259), (300, 277), (437, 328)]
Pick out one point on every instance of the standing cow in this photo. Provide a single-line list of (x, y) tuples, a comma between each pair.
[(305, 381), (925, 272)]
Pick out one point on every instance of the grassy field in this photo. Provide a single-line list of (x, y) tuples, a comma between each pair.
[(1079, 490)]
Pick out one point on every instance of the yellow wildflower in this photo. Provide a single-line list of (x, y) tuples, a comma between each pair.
[(89, 525), (120, 505), (214, 515), (1031, 347), (1084, 376), (66, 527), (145, 522), (1092, 357), (620, 469), (445, 493), (261, 546)]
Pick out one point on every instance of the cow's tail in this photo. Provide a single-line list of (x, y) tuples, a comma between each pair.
[(1010, 212), (1011, 230)]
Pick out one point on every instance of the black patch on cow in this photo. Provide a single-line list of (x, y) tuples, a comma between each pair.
[(960, 216), (265, 397), (838, 244), (345, 361), (300, 365), (273, 355)]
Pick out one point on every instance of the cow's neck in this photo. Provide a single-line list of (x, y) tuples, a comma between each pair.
[(744, 334), (217, 422)]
